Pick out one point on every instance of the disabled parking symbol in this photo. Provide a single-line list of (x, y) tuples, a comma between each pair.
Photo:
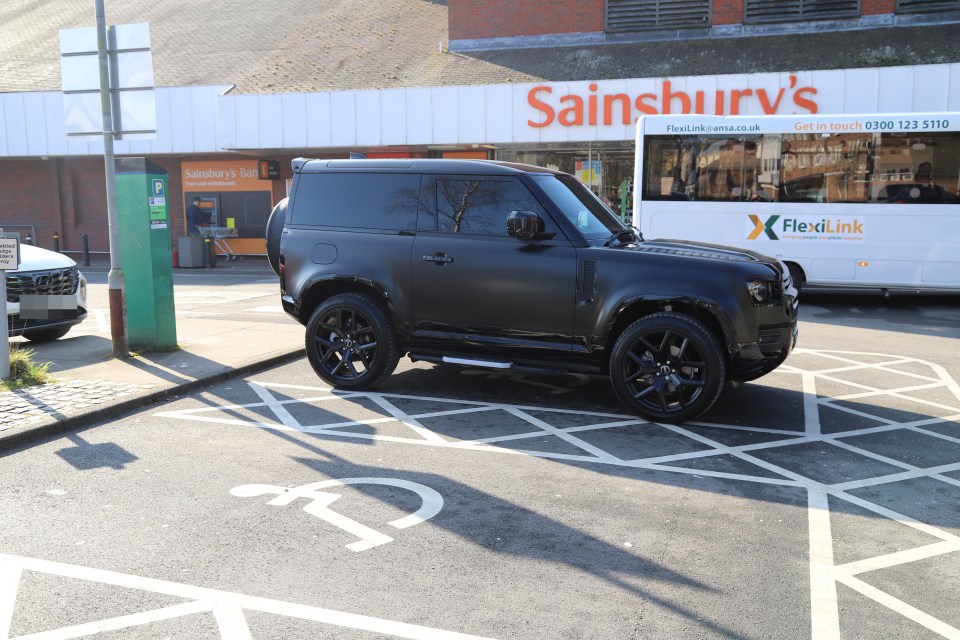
[(320, 501)]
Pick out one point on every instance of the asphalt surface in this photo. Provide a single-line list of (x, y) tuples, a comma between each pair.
[(228, 320), (818, 502)]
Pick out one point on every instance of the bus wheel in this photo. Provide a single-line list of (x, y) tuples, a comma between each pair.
[(667, 367), (797, 275)]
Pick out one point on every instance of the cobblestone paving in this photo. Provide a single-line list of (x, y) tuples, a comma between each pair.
[(18, 408)]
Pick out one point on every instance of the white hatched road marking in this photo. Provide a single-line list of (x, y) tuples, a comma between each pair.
[(824, 573), (226, 607)]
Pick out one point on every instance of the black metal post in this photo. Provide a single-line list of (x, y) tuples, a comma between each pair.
[(56, 242), (86, 251)]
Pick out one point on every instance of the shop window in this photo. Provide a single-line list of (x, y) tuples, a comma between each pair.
[(640, 15), (480, 206), (249, 211), (927, 6), (761, 11)]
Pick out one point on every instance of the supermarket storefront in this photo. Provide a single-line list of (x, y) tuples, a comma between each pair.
[(584, 128)]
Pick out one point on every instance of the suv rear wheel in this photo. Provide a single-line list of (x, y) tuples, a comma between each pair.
[(350, 342), (278, 217), (667, 367)]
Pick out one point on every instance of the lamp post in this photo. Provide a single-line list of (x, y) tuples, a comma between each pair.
[(115, 285)]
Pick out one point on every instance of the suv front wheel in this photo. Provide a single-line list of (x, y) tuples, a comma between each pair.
[(350, 342), (667, 367)]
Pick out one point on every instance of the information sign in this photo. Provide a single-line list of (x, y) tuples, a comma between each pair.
[(9, 254), (9, 260)]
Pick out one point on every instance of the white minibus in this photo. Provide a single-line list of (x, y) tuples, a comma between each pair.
[(844, 200)]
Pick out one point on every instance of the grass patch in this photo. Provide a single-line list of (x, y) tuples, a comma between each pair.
[(24, 372)]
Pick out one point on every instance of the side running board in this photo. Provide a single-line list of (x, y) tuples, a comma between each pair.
[(478, 363), (489, 364)]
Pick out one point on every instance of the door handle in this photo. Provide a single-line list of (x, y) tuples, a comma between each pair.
[(438, 258)]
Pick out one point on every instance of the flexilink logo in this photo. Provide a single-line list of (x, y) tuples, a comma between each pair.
[(777, 227), (761, 226)]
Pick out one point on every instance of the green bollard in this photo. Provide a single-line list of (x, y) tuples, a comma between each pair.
[(143, 222)]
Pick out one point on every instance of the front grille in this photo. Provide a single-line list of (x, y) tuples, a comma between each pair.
[(50, 282)]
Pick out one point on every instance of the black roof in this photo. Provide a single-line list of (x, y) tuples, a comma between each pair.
[(416, 165)]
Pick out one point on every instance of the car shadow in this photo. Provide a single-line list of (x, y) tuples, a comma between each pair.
[(511, 529)]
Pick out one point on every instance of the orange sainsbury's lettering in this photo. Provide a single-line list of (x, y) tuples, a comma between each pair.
[(805, 103), (624, 101), (594, 107), (539, 105), (668, 97), (642, 105), (572, 115)]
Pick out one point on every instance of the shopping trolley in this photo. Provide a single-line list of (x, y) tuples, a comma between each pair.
[(219, 235)]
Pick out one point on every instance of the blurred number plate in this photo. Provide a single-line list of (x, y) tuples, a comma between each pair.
[(52, 307)]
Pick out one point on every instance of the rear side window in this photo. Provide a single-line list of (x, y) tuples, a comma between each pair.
[(386, 201), (480, 206)]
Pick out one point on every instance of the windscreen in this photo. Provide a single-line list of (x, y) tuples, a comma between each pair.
[(580, 206)]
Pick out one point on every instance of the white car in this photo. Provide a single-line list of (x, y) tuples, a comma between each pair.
[(45, 296)]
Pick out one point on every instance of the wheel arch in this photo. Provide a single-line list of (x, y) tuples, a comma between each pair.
[(322, 288), (707, 313), (797, 274)]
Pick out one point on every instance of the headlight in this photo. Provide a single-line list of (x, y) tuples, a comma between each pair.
[(82, 292), (759, 290)]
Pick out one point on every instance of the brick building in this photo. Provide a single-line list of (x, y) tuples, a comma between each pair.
[(244, 82)]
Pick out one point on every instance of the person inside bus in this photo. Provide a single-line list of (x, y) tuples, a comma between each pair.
[(922, 191)]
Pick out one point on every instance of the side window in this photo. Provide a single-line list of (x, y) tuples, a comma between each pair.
[(385, 201), (427, 218), (481, 205), (916, 168)]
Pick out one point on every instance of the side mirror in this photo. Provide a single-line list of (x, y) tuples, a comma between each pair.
[(527, 226)]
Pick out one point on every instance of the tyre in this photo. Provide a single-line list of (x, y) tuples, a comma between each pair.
[(796, 275), (667, 367), (45, 335), (278, 218), (350, 342)]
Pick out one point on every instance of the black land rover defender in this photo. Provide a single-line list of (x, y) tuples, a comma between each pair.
[(517, 267)]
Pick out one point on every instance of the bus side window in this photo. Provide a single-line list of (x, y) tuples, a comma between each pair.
[(917, 167), (825, 167)]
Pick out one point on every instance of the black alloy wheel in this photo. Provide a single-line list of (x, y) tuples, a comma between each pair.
[(667, 367), (350, 342)]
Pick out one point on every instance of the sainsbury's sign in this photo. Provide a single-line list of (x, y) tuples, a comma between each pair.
[(597, 107)]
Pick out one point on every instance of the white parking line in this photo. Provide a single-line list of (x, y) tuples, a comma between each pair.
[(227, 607), (824, 575)]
